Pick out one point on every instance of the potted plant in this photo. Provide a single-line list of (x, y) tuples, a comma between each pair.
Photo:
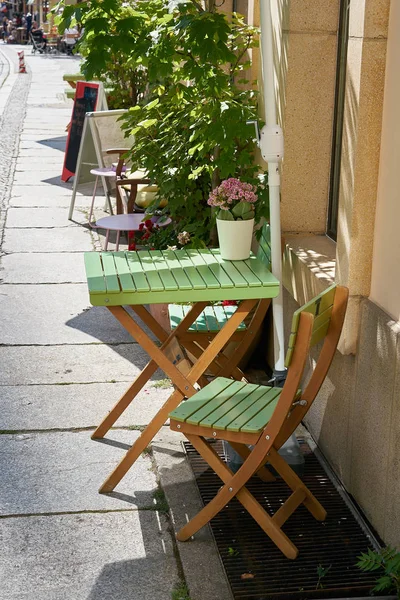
[(234, 201)]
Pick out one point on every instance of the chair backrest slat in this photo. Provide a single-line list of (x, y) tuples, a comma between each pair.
[(321, 307)]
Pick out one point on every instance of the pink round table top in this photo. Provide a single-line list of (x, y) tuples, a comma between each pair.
[(104, 172), (129, 222)]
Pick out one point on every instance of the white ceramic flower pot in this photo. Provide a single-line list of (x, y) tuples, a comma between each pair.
[(235, 238)]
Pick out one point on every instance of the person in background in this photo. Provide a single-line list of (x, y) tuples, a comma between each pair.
[(4, 29), (28, 19), (70, 38)]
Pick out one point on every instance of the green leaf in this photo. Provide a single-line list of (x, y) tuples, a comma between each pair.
[(225, 215)]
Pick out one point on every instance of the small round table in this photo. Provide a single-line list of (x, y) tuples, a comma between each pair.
[(129, 222), (101, 172)]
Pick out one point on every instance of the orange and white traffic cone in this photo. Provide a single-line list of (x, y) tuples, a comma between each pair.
[(21, 59)]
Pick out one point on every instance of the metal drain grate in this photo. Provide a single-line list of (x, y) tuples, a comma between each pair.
[(257, 570)]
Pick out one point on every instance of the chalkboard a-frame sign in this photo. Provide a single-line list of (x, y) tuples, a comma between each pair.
[(87, 99)]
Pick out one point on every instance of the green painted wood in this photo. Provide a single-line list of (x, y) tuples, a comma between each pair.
[(110, 273), (261, 419), (211, 320), (260, 270), (196, 402), (319, 334), (124, 274), (136, 270), (154, 279), (233, 269), (316, 306), (194, 277), (214, 402), (270, 395), (214, 265), (233, 415), (230, 403), (204, 270), (150, 289), (321, 307), (264, 250), (178, 273), (94, 273), (165, 273), (176, 315)]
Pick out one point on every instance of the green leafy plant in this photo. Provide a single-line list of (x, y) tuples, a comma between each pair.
[(233, 552), (321, 572), (387, 560), (181, 70), (190, 131), (180, 592)]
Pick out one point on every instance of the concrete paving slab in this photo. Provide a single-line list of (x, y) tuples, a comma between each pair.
[(40, 178), (54, 145), (61, 472), (56, 200), (108, 556), (33, 407), (43, 268), (44, 152), (55, 314), (200, 559), (75, 239), (44, 192), (39, 217), (92, 363)]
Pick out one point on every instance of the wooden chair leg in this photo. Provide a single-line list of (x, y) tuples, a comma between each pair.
[(245, 498), (141, 443), (263, 473), (125, 400), (294, 482)]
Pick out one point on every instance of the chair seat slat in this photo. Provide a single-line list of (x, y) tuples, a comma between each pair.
[(270, 394), (190, 406), (215, 402), (229, 404)]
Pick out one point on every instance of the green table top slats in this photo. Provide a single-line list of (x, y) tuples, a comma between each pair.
[(136, 270), (231, 269), (209, 278), (227, 405), (94, 273), (194, 277), (240, 273), (214, 403), (153, 277), (110, 273), (258, 268), (178, 273), (124, 274), (163, 270), (196, 402), (215, 267)]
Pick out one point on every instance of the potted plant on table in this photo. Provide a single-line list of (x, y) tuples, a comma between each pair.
[(234, 201)]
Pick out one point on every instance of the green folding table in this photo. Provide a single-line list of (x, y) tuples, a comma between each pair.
[(200, 277)]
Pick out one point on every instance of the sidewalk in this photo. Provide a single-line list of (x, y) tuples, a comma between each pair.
[(63, 365)]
